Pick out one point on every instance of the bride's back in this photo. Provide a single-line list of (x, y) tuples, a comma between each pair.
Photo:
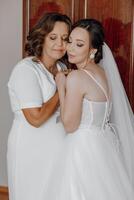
[(94, 83), (95, 107)]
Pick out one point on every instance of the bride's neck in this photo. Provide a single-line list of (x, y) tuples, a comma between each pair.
[(84, 64)]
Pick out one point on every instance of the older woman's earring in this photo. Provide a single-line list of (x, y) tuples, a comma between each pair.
[(92, 55)]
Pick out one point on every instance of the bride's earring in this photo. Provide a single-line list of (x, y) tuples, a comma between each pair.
[(92, 56)]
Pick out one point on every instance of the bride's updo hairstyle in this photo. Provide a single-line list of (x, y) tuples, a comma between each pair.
[(96, 33)]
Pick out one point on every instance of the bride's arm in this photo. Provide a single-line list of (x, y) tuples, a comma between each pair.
[(71, 96)]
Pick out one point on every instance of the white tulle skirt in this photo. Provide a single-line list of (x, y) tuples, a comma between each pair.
[(89, 167)]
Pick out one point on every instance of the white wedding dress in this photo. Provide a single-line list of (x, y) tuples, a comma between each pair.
[(90, 165)]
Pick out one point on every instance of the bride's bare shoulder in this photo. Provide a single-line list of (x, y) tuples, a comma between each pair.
[(75, 74), (74, 78)]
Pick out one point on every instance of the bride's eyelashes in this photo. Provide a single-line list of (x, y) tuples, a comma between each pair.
[(77, 44), (80, 45)]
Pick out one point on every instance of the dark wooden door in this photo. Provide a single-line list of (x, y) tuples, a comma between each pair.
[(117, 16)]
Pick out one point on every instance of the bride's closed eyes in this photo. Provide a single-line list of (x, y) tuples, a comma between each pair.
[(78, 44)]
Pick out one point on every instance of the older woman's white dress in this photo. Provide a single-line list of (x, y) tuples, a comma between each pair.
[(31, 151), (90, 165)]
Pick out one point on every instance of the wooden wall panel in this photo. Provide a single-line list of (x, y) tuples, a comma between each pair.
[(79, 9), (37, 8), (117, 18)]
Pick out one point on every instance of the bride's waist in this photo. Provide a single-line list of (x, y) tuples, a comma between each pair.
[(102, 129)]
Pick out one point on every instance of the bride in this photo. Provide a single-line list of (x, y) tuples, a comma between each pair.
[(97, 158)]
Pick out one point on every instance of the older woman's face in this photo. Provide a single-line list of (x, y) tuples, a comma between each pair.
[(78, 47), (56, 41)]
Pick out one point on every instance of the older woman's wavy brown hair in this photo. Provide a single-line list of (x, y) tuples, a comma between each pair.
[(36, 37)]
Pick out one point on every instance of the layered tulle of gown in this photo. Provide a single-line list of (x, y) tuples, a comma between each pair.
[(90, 164)]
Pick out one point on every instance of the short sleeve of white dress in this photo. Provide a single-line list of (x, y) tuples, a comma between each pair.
[(24, 87)]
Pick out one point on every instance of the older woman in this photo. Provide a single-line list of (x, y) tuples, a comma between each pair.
[(35, 136)]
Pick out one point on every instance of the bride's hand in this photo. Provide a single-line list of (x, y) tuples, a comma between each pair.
[(60, 80)]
